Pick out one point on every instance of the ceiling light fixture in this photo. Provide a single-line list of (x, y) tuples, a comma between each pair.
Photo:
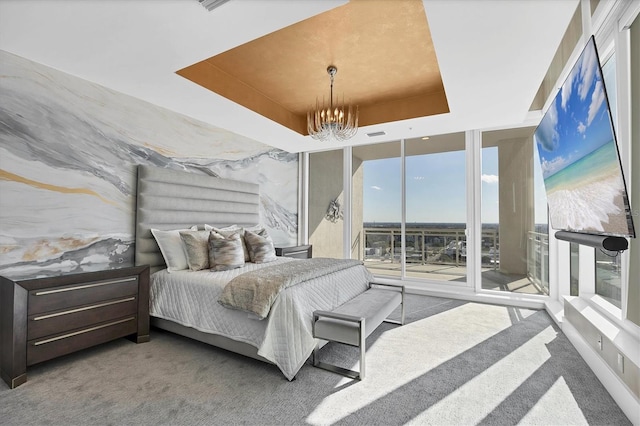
[(338, 123)]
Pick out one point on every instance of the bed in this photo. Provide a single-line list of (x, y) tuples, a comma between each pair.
[(186, 302)]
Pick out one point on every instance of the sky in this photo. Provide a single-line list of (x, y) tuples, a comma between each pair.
[(577, 122), (436, 188)]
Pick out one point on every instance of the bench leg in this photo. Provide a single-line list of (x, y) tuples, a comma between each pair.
[(356, 375), (363, 344)]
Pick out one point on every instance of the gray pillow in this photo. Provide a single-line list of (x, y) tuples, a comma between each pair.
[(196, 246), (260, 246), (225, 251), (233, 229)]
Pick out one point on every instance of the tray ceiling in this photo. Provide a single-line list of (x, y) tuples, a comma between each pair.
[(386, 62)]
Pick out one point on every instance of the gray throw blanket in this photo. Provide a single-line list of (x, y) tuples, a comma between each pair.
[(255, 291)]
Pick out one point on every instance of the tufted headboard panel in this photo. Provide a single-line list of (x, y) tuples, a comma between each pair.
[(171, 199)]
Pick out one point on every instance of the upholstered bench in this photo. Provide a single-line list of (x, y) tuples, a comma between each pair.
[(352, 322)]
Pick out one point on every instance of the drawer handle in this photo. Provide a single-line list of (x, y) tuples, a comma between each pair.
[(86, 308), (80, 287), (86, 330)]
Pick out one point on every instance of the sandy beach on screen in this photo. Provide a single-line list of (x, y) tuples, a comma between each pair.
[(596, 205)]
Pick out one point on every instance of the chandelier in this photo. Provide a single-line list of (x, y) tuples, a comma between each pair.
[(332, 122)]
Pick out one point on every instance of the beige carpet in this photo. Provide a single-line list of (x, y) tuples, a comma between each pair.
[(453, 363)]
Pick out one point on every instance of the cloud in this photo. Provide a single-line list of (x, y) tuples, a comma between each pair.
[(566, 92), (587, 72), (418, 177), (582, 128), (597, 99), (551, 167), (490, 178), (547, 135), (377, 188)]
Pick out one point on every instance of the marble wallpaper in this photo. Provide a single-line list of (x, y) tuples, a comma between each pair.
[(68, 155)]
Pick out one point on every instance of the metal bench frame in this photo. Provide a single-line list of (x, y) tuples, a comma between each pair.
[(362, 331)]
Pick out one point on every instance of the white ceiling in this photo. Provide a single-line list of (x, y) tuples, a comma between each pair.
[(492, 55)]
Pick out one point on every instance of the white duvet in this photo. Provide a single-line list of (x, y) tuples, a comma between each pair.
[(284, 337)]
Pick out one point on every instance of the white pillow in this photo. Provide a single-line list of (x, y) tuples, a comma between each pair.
[(172, 248)]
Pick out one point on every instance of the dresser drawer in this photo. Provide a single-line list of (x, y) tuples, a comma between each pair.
[(49, 347), (299, 252), (40, 325), (64, 297)]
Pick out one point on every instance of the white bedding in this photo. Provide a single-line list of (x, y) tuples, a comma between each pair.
[(284, 337)]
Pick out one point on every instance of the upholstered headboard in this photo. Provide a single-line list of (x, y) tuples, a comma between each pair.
[(170, 199)]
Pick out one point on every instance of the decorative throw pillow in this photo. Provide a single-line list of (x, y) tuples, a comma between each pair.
[(196, 244), (260, 246), (225, 251), (226, 231), (172, 248)]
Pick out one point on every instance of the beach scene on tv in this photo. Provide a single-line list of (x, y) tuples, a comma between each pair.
[(579, 156)]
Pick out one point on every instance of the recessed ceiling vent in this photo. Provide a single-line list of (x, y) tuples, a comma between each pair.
[(212, 4), (374, 134)]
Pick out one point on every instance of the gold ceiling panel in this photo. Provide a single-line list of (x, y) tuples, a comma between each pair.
[(383, 51)]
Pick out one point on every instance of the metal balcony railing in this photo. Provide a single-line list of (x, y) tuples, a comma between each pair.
[(427, 245), (538, 260)]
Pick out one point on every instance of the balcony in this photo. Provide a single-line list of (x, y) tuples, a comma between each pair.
[(440, 253)]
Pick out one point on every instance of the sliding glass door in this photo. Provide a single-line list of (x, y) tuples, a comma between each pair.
[(436, 208), (377, 207)]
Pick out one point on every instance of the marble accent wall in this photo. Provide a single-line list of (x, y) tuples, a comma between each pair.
[(68, 155)]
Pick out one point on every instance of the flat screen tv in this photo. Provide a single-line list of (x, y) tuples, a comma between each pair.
[(578, 153)]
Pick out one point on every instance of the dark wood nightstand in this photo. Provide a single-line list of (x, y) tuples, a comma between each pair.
[(300, 252), (51, 314)]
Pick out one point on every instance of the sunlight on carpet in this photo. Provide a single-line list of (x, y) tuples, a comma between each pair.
[(401, 355), (558, 395), (485, 392)]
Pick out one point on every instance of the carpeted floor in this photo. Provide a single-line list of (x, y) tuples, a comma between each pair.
[(452, 363)]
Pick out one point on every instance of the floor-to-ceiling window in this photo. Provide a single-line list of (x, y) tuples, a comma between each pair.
[(377, 207), (515, 243), (574, 269), (608, 280), (436, 208), (425, 239), (608, 265), (434, 239)]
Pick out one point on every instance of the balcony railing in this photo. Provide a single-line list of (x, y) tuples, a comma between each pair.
[(448, 246), (538, 260), (427, 245)]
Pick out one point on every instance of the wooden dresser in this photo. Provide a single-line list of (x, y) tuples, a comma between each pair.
[(50, 315)]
